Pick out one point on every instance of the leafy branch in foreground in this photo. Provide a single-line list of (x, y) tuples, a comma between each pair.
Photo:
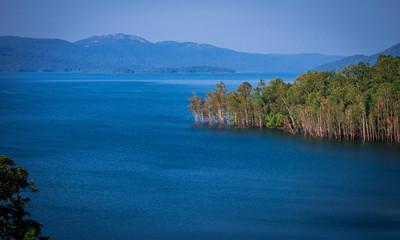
[(358, 102), (13, 222)]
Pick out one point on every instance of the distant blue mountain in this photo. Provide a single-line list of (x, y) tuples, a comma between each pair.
[(121, 51), (340, 64)]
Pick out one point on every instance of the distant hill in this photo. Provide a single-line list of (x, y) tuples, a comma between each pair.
[(132, 53), (340, 64)]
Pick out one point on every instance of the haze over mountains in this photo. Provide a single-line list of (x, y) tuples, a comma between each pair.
[(121, 51), (340, 64)]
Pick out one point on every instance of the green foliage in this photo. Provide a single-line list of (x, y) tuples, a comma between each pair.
[(360, 101), (13, 222), (274, 120)]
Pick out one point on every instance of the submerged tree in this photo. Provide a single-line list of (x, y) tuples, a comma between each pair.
[(358, 102), (218, 102), (13, 213)]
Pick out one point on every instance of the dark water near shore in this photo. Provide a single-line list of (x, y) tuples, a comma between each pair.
[(118, 157)]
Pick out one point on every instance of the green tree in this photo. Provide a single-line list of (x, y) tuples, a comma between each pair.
[(13, 213), (244, 97), (219, 104), (259, 104)]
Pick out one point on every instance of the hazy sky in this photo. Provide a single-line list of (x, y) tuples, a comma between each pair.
[(341, 27)]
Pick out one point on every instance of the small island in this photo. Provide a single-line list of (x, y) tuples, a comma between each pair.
[(188, 69), (357, 102)]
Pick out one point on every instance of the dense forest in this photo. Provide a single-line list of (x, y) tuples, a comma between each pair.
[(358, 102)]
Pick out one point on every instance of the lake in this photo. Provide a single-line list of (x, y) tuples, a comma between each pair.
[(118, 156)]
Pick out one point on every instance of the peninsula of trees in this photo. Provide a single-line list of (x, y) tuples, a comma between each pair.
[(358, 102)]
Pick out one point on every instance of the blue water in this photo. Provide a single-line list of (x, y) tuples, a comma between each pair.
[(117, 156)]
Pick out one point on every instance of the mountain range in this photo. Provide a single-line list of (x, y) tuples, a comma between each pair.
[(121, 51), (340, 64)]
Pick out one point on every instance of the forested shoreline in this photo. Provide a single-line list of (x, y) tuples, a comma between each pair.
[(357, 102)]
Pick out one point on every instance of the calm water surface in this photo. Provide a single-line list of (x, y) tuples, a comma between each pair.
[(118, 157)]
